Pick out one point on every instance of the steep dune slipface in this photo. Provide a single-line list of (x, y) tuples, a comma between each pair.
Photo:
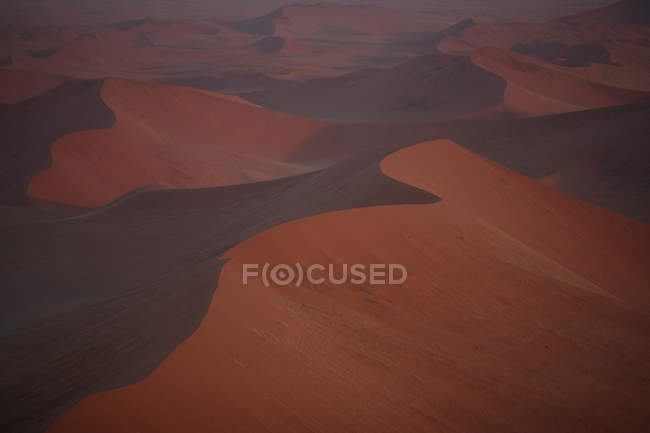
[(517, 315), (539, 88), (179, 137)]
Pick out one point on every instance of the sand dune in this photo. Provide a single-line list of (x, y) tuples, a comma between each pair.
[(176, 136), (538, 88), (498, 315), (425, 87)]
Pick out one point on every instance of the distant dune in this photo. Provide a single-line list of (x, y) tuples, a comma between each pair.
[(538, 88), (425, 87)]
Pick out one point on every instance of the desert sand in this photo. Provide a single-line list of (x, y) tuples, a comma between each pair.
[(498, 152)]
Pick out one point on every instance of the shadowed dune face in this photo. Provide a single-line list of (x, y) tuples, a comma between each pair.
[(87, 335), (520, 326), (31, 126)]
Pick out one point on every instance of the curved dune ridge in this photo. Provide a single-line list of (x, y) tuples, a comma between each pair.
[(87, 334), (206, 139), (499, 327)]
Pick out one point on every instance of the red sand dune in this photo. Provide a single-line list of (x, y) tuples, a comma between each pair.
[(539, 88), (425, 87), (181, 137), (522, 306), (17, 86)]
